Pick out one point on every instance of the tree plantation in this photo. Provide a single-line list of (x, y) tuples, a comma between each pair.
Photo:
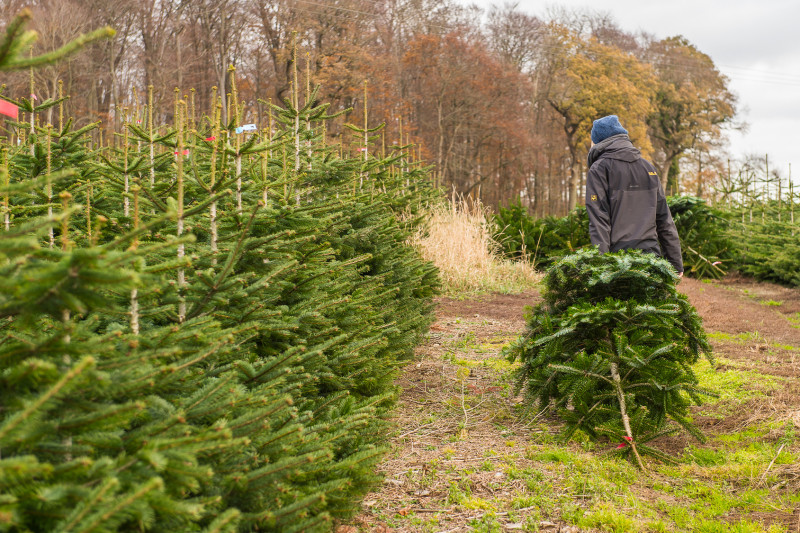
[(201, 320)]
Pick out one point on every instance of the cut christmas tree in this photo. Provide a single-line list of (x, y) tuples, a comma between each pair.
[(611, 349)]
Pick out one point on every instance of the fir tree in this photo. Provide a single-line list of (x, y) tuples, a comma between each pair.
[(612, 348)]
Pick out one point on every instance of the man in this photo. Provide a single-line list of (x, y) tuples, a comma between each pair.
[(624, 199)]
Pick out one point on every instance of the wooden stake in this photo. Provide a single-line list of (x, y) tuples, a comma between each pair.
[(401, 144), (308, 77), (49, 186), (366, 123), (60, 106), (179, 178), (295, 101), (152, 138), (134, 246), (215, 132), (238, 156), (285, 185), (264, 180), (33, 105), (65, 198), (89, 210), (191, 115), (126, 202), (176, 104), (365, 145), (6, 181), (308, 118)]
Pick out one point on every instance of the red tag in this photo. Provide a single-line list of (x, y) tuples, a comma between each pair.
[(9, 109), (212, 138), (625, 443), (185, 152)]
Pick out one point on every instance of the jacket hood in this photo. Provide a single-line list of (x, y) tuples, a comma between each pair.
[(615, 147)]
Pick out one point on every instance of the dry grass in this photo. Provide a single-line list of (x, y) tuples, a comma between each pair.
[(458, 240)]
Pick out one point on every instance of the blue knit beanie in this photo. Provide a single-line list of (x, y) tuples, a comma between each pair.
[(605, 127)]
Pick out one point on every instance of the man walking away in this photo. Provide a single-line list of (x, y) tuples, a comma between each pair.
[(624, 199)]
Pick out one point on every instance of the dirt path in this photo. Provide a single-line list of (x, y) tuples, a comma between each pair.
[(469, 457)]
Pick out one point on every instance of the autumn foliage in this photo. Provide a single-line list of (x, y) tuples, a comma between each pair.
[(499, 102)]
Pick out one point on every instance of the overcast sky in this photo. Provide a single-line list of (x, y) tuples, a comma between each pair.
[(754, 43)]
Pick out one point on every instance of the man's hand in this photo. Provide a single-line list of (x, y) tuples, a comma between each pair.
[(680, 275)]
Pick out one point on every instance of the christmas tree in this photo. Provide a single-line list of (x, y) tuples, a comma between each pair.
[(611, 348)]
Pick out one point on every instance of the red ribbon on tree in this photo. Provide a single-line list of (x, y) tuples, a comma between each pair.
[(628, 439), (9, 109)]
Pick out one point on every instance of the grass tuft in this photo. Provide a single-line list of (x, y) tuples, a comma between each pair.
[(458, 241)]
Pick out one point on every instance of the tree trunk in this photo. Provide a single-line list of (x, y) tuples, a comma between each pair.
[(673, 173), (574, 172), (700, 175)]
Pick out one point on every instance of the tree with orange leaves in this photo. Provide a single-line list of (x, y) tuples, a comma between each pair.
[(693, 104), (596, 80), (472, 106)]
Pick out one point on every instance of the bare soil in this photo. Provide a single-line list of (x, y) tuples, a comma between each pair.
[(460, 431)]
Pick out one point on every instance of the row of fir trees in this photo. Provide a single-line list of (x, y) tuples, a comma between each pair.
[(200, 322)]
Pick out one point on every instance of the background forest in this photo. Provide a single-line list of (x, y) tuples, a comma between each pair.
[(500, 102)]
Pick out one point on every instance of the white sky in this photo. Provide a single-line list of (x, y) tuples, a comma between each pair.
[(754, 43)]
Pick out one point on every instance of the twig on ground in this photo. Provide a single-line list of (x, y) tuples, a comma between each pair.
[(764, 475)]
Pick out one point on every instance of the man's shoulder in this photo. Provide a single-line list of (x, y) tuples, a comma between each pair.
[(605, 164), (649, 167), (647, 163), (601, 165)]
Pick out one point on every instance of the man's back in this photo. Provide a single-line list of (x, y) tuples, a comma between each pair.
[(626, 204)]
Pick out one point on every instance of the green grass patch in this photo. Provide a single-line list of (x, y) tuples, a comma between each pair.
[(714, 481), (733, 386), (750, 336), (606, 517), (585, 485), (747, 336)]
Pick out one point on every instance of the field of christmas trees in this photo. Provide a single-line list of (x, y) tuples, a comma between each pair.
[(201, 320)]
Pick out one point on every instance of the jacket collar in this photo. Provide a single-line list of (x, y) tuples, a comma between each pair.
[(616, 146)]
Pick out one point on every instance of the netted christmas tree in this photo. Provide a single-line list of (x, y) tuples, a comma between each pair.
[(611, 348), (201, 321)]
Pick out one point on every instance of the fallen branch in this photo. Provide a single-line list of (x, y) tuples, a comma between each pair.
[(764, 475)]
